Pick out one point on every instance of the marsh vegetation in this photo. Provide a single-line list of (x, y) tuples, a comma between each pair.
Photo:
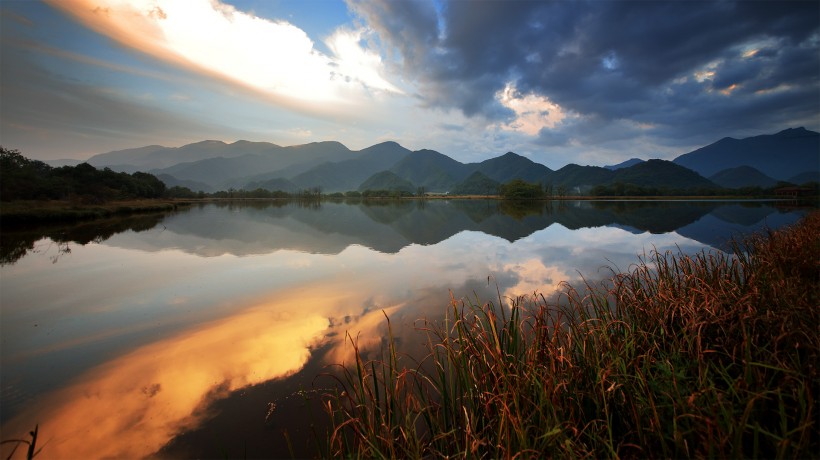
[(708, 355)]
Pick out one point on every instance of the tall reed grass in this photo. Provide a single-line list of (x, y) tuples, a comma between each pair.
[(682, 356)]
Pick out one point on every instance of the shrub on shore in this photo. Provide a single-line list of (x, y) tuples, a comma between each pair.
[(683, 356)]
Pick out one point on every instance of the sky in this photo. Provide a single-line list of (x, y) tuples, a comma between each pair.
[(586, 82)]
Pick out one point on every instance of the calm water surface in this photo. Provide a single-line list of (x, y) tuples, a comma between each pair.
[(169, 336)]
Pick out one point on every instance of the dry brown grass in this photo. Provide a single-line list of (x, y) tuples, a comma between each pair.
[(710, 355)]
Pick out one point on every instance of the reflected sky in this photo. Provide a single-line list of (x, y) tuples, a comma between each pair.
[(123, 343)]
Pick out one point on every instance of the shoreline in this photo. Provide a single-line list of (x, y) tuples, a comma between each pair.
[(22, 213), (30, 212)]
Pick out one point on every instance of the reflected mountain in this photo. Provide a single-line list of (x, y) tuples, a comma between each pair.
[(389, 226), (737, 220), (329, 227), (17, 242)]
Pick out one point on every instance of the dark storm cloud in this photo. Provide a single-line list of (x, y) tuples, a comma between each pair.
[(612, 60), (410, 27)]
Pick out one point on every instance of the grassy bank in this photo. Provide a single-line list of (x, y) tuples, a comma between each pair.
[(683, 356), (36, 212)]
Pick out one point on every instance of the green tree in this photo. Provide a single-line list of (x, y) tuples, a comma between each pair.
[(27, 179), (23, 178), (518, 189), (548, 190), (180, 192)]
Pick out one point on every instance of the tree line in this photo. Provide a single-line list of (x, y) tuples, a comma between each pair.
[(27, 179), (618, 189), (518, 189)]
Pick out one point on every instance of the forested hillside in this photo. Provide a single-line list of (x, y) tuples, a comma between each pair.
[(780, 156), (27, 179)]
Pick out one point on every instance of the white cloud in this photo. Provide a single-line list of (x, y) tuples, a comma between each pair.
[(707, 72), (357, 62), (533, 112), (273, 57)]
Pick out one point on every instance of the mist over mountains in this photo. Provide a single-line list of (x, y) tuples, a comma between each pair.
[(792, 155)]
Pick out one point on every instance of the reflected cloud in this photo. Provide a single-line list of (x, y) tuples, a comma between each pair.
[(131, 406), (534, 276), (366, 331)]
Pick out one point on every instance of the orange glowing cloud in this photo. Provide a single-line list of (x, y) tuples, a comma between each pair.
[(274, 58), (534, 276), (366, 331), (132, 406)]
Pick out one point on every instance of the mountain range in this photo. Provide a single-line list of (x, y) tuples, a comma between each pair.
[(792, 155)]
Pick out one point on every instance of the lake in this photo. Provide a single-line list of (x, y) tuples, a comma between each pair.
[(201, 333)]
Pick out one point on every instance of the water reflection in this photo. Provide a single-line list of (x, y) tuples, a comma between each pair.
[(131, 406), (259, 228), (244, 228), (143, 335), (17, 242)]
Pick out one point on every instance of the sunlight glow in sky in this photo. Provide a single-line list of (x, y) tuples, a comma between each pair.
[(559, 82), (270, 56)]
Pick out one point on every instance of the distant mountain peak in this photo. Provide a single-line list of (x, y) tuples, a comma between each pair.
[(211, 142), (781, 155), (624, 164), (241, 142), (326, 143), (742, 176), (797, 132)]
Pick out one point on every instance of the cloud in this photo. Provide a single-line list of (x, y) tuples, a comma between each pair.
[(533, 276), (411, 28), (613, 60), (557, 80), (532, 112), (355, 61), (272, 57)]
